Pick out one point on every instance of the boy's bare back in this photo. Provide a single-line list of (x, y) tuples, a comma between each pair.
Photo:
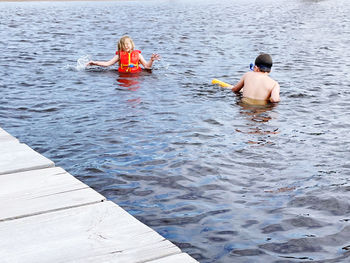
[(258, 86)]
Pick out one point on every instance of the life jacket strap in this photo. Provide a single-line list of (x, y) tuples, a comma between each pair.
[(130, 65)]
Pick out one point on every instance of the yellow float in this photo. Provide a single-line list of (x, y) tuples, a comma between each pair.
[(221, 83)]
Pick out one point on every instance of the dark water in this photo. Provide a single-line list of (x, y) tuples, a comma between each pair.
[(224, 181)]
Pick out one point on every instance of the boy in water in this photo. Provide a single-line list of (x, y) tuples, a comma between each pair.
[(257, 85)]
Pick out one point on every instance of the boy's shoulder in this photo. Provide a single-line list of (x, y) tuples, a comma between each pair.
[(254, 77), (252, 74), (248, 74)]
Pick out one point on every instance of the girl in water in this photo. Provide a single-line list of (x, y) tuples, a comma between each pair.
[(128, 58)]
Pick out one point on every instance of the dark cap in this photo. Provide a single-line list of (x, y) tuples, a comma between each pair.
[(264, 62)]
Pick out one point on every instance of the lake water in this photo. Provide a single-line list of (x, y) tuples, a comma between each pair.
[(224, 181)]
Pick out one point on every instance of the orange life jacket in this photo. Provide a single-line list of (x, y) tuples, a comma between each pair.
[(129, 62)]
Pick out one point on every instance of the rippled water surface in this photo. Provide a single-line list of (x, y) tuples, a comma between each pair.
[(224, 181)]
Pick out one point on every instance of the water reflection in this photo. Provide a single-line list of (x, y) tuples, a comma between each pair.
[(129, 81), (164, 145), (132, 83), (258, 114)]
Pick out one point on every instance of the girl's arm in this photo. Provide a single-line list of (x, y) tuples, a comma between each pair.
[(149, 64), (111, 62)]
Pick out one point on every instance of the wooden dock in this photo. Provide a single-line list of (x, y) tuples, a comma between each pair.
[(47, 215)]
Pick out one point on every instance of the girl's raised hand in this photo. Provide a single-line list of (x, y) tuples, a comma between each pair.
[(155, 57), (90, 63)]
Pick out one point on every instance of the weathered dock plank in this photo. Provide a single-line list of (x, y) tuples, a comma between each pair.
[(47, 215), (5, 136), (101, 232), (178, 258), (37, 191), (18, 157)]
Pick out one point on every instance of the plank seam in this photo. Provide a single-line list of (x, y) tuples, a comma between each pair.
[(50, 211), (63, 192), (35, 168), (160, 257)]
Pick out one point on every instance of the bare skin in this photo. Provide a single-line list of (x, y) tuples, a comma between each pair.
[(115, 59), (258, 85)]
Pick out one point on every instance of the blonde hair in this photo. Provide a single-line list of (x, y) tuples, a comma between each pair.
[(121, 43)]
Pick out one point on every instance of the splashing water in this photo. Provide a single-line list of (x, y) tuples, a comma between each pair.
[(162, 65), (172, 150), (82, 61)]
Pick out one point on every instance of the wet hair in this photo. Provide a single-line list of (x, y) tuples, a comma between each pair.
[(121, 43), (264, 62)]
